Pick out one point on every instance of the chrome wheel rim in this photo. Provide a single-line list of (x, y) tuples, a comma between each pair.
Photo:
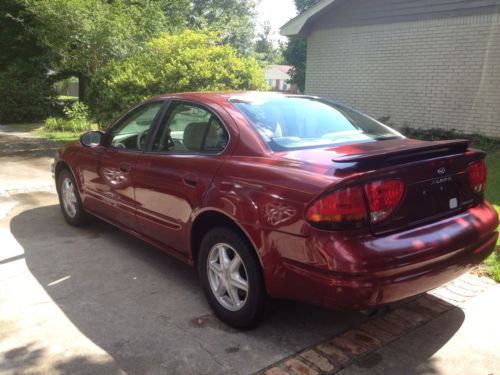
[(68, 197), (227, 277)]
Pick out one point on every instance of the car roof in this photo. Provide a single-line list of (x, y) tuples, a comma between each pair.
[(222, 97)]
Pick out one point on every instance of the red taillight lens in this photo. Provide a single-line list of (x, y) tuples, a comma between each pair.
[(342, 209), (383, 198), (477, 175)]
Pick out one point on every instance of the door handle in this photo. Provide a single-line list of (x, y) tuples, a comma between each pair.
[(125, 168), (191, 180)]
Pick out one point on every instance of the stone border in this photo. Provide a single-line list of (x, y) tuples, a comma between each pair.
[(334, 354)]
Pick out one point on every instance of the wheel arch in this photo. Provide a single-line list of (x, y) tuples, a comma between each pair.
[(64, 165), (212, 218), (61, 165)]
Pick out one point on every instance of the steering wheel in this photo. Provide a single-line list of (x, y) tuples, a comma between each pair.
[(141, 138)]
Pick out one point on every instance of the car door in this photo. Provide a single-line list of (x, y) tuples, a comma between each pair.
[(174, 175), (110, 188)]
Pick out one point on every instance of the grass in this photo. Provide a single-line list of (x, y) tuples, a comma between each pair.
[(38, 130), (67, 98), (63, 137), (493, 196), (493, 182)]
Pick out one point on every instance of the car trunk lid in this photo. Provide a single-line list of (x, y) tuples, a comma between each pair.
[(435, 177)]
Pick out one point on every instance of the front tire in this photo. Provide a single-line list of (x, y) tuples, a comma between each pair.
[(69, 200), (231, 277)]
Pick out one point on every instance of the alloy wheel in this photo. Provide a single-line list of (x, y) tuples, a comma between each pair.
[(227, 276), (69, 197)]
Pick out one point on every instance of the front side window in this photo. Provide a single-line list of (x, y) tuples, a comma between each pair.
[(132, 131), (188, 128), (288, 122)]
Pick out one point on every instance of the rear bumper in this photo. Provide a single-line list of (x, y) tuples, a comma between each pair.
[(374, 270)]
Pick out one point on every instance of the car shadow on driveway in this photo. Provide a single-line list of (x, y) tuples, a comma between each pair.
[(147, 310)]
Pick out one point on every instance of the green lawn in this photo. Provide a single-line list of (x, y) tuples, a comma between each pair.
[(67, 98), (493, 183), (493, 196), (64, 137)]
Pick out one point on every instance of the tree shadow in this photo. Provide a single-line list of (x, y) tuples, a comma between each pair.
[(23, 359), (147, 310), (27, 145), (413, 353)]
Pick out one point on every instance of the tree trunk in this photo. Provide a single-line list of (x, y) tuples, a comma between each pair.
[(83, 82)]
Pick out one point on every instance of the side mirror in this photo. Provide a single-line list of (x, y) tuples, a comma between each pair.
[(91, 139)]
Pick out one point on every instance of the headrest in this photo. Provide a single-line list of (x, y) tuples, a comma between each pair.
[(193, 135)]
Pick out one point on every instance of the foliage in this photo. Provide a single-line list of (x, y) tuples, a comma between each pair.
[(76, 120), (479, 141), (493, 261), (233, 20), (493, 265), (16, 42), (265, 51), (295, 53), (187, 61), (77, 111), (303, 5), (24, 84), (26, 93), (85, 34)]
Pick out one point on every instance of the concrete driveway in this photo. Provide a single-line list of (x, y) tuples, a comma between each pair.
[(95, 300)]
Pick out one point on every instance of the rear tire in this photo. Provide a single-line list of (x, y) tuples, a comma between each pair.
[(231, 277), (69, 200)]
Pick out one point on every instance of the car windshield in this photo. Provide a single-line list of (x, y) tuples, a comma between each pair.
[(293, 122)]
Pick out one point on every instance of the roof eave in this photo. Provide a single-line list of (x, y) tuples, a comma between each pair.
[(297, 25)]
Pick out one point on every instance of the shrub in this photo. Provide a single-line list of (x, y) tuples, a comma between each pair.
[(188, 61), (54, 124), (26, 93), (76, 121), (435, 134)]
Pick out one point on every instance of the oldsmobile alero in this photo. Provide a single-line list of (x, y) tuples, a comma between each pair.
[(293, 197)]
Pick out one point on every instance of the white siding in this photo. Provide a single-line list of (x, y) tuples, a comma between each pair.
[(438, 72)]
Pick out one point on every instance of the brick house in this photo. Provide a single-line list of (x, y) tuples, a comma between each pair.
[(424, 63), (278, 78)]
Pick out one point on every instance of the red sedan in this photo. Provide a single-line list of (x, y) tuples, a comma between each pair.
[(292, 197)]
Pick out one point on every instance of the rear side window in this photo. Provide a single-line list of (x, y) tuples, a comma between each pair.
[(286, 122), (188, 128)]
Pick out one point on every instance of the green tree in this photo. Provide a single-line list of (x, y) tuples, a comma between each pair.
[(24, 82), (83, 35), (187, 61), (303, 5), (295, 53), (265, 50), (233, 20)]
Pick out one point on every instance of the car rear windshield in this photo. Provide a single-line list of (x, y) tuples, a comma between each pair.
[(291, 122)]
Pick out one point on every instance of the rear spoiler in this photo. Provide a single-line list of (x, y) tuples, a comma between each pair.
[(404, 152)]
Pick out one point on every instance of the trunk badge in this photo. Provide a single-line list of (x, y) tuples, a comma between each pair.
[(441, 171)]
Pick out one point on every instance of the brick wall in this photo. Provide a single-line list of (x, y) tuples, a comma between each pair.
[(442, 72)]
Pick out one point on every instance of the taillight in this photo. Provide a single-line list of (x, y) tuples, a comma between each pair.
[(477, 175), (383, 198), (346, 208), (342, 209)]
